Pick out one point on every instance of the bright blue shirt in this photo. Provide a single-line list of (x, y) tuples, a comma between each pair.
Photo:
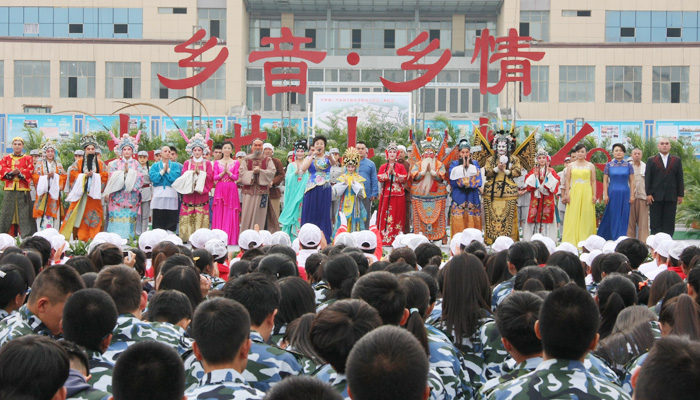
[(368, 171)]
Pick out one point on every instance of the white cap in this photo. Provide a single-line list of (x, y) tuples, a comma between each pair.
[(268, 146), (295, 245), (142, 153), (200, 237), (416, 241), (549, 244), (665, 247), (502, 243), (249, 239), (6, 241), (79, 153), (156, 152), (594, 242), (98, 151), (266, 237), (344, 238), (335, 150), (651, 241), (366, 240), (621, 238), (401, 147), (660, 237), (471, 234), (57, 242), (566, 246), (281, 237), (47, 233), (609, 247), (676, 251), (216, 247), (310, 235), (174, 239), (536, 236), (588, 258), (399, 241), (112, 238), (455, 242), (34, 152), (221, 235), (95, 242), (241, 154), (290, 153), (149, 239)]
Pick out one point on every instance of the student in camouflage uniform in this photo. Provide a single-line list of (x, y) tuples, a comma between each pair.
[(334, 332), (671, 370), (33, 367), (221, 329), (267, 364), (43, 312), (149, 370), (568, 324), (302, 387), (123, 284), (388, 363), (77, 386), (89, 317), (520, 255), (170, 312)]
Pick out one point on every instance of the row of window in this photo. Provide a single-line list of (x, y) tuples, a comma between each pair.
[(447, 77), (623, 84), (122, 80)]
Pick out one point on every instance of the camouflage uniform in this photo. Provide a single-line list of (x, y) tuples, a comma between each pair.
[(223, 384), (435, 315), (627, 380), (448, 362), (558, 379), (500, 292), (338, 381), (521, 369), (321, 289), (3, 314), (130, 330), (494, 352), (78, 388), (216, 282), (325, 304), (267, 365), (101, 371), (277, 335), (594, 365), (592, 288), (174, 331), (23, 323)]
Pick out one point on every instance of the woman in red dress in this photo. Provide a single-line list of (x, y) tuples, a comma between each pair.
[(392, 205)]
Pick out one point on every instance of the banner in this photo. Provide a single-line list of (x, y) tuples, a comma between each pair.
[(331, 109)]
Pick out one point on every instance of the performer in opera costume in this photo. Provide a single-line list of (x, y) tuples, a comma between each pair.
[(195, 184), (16, 171), (316, 206), (392, 204), (465, 179), (429, 191), (294, 188), (543, 183), (227, 206), (351, 190), (165, 203), (49, 177), (255, 175), (124, 188), (85, 212)]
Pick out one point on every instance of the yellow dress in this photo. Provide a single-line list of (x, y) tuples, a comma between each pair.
[(579, 220)]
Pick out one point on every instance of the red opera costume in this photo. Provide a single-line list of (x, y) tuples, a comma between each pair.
[(392, 204), (543, 184), (17, 204)]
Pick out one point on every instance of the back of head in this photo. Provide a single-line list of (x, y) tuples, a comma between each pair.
[(160, 253), (466, 294), (89, 315), (35, 259), (203, 261), (341, 273), (238, 268), (570, 264), (32, 367), (148, 370), (694, 281), (536, 273), (516, 317), (82, 264), (382, 291), (615, 292), (359, 257), (521, 254), (682, 315), (302, 388), (298, 298), (123, 285), (171, 306), (417, 301), (408, 255), (541, 251), (670, 371), (614, 263), (40, 245), (398, 267), (183, 279), (662, 283), (257, 293), (282, 249), (387, 363), (634, 249), (313, 266), (497, 267), (176, 260), (568, 323), (219, 328), (425, 251), (278, 265), (106, 254), (430, 281), (12, 284), (56, 283), (339, 326), (22, 262)]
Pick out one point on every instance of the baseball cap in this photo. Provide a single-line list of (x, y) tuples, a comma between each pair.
[(676, 251), (454, 242), (249, 239), (221, 235), (660, 237), (200, 237), (566, 246), (268, 146), (34, 152), (310, 235), (78, 153), (609, 247), (665, 247), (281, 237), (366, 240), (502, 243), (594, 242), (156, 152), (149, 239), (172, 238), (471, 234), (588, 258), (266, 237), (241, 154), (216, 247), (335, 150), (6, 241), (344, 238)]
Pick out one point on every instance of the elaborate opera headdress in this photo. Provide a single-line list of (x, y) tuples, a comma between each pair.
[(301, 144), (463, 143), (88, 140), (542, 152), (196, 141), (503, 137), (392, 146), (48, 144), (430, 143), (351, 157), (127, 141)]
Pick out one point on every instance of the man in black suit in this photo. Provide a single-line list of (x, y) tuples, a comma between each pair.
[(664, 186)]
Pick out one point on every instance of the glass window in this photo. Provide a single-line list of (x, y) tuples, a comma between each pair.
[(535, 24), (576, 84), (123, 80), (254, 74), (389, 38), (311, 34), (167, 70), (349, 75), (2, 78), (669, 85), (77, 79), (539, 83), (623, 84), (215, 86), (253, 98), (32, 79), (213, 20), (371, 75), (315, 75)]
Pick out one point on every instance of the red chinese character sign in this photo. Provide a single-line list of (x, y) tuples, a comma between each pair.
[(296, 52), (238, 140), (208, 68), (512, 70), (412, 65)]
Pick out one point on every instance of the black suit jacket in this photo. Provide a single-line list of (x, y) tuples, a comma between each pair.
[(664, 183)]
